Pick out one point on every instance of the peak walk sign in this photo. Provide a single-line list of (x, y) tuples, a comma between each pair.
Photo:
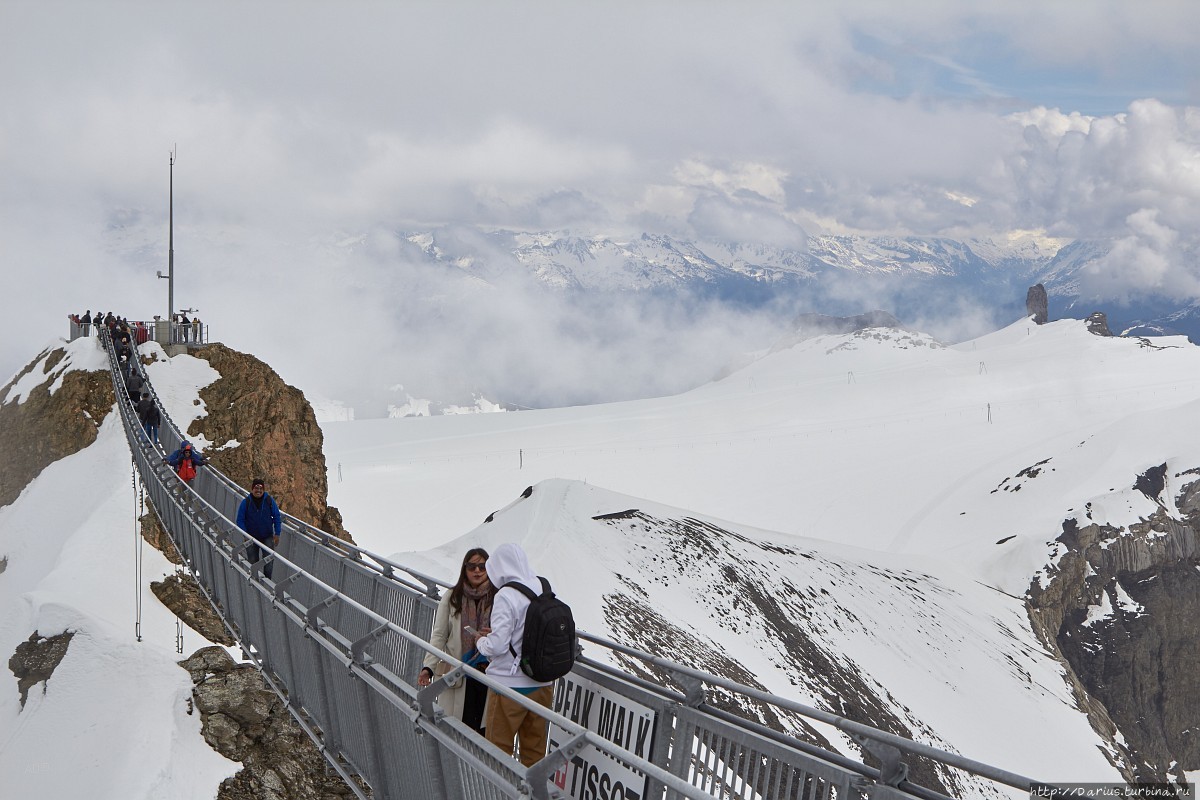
[(593, 774)]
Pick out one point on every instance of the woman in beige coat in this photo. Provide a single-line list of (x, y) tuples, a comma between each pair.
[(467, 604)]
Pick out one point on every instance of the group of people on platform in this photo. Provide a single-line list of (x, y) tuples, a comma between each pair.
[(90, 325), (186, 329), (183, 330)]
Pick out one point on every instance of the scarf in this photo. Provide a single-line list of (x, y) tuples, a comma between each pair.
[(476, 612)]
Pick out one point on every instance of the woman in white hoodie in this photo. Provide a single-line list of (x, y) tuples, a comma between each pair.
[(507, 719), (467, 604)]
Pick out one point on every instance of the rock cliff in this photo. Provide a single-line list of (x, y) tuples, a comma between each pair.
[(1122, 607), (46, 426), (277, 434)]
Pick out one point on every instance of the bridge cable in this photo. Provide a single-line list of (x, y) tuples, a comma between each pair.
[(138, 492)]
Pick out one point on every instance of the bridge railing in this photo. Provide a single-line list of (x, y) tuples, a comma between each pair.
[(340, 634)]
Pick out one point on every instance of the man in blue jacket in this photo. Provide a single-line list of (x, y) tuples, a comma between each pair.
[(259, 516)]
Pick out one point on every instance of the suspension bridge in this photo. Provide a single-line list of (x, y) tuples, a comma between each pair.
[(340, 633)]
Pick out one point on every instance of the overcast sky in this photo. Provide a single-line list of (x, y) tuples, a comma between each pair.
[(302, 125)]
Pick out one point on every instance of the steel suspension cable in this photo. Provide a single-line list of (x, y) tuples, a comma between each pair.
[(137, 555)]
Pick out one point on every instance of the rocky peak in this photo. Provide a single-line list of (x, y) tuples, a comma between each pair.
[(1037, 304), (1097, 323), (278, 436)]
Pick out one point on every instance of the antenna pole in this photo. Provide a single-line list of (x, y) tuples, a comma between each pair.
[(171, 247)]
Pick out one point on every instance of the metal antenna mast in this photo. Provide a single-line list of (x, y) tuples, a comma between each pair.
[(170, 276), (171, 245)]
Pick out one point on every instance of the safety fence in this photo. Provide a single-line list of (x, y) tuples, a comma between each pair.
[(142, 331), (340, 634)]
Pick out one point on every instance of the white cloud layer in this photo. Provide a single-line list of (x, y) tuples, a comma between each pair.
[(299, 124)]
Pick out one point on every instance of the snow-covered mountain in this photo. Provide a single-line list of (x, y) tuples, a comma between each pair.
[(990, 547), (653, 261), (964, 464), (929, 281)]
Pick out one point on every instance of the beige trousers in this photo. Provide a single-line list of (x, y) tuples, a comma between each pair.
[(508, 720)]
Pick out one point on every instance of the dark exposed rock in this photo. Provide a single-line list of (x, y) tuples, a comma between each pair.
[(1122, 608), (182, 595), (46, 427), (156, 537), (1037, 304), (243, 720), (1097, 323), (1152, 482), (279, 438), (36, 659)]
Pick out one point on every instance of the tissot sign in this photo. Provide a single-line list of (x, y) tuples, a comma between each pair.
[(592, 774)]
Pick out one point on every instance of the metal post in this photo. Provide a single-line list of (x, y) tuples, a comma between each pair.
[(171, 245), (170, 276)]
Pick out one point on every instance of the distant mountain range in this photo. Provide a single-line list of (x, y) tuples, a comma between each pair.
[(928, 283)]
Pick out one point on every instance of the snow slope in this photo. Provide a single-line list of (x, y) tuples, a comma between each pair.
[(113, 721), (957, 465), (937, 645), (881, 439)]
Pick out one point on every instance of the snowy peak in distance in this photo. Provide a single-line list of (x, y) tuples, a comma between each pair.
[(809, 325), (878, 326), (565, 261)]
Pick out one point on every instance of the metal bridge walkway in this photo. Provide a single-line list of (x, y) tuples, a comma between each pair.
[(340, 634)]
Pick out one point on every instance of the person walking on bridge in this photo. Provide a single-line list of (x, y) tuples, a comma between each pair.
[(259, 516), (185, 460), (149, 414), (503, 645), (134, 384), (464, 611)]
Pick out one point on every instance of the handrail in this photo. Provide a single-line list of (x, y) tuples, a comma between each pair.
[(847, 725)]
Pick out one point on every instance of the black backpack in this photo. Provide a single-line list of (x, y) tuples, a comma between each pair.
[(548, 647)]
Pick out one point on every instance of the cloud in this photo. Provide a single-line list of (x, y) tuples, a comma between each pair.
[(309, 134)]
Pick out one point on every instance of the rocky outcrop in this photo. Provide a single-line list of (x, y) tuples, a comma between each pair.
[(243, 720), (276, 431), (182, 595), (1122, 608), (1097, 323), (36, 659), (1037, 304), (156, 537), (46, 427)]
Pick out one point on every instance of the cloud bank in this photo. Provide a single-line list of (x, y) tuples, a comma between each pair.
[(303, 126)]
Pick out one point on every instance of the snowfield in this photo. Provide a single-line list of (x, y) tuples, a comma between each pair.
[(895, 498)]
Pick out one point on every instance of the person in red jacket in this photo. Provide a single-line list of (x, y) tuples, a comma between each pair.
[(185, 460)]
